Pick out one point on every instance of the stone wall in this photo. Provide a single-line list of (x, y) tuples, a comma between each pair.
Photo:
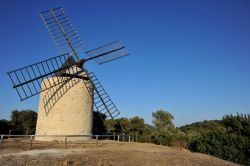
[(64, 109)]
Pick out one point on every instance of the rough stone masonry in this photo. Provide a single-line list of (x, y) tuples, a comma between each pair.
[(64, 109)]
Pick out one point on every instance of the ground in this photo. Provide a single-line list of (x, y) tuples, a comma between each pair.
[(106, 153)]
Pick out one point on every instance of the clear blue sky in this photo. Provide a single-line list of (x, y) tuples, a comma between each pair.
[(189, 57)]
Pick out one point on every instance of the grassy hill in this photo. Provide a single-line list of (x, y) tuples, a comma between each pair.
[(110, 153)]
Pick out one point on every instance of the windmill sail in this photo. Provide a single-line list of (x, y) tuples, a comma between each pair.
[(62, 30), (102, 101), (68, 40), (108, 52), (33, 79), (27, 80)]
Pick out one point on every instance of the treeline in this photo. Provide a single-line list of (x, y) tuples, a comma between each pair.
[(163, 131), (21, 122), (228, 138)]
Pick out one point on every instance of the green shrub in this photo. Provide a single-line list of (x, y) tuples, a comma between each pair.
[(223, 145)]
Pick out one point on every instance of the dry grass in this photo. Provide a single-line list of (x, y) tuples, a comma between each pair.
[(107, 153)]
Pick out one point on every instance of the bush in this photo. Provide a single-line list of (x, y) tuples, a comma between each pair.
[(223, 145), (5, 126)]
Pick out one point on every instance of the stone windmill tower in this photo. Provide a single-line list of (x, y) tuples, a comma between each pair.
[(68, 91)]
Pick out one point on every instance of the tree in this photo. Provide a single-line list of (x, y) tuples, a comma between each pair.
[(98, 124), (122, 125), (137, 125), (5, 126), (162, 120), (110, 125), (238, 124), (24, 121), (197, 128)]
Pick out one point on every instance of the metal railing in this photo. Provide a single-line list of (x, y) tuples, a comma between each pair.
[(28, 141)]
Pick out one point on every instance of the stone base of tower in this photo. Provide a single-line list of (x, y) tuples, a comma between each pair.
[(64, 109)]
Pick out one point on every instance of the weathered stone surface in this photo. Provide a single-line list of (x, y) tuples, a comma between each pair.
[(65, 109)]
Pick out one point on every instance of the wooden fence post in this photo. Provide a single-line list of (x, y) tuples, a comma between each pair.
[(1, 142), (31, 142), (9, 133), (96, 137), (66, 141)]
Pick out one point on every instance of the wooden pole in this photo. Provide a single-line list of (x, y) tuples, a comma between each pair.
[(31, 142), (96, 137), (1, 142), (66, 141), (9, 133)]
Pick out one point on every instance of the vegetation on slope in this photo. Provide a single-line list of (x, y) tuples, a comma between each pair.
[(228, 138)]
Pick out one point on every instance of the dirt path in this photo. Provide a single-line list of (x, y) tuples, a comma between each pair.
[(110, 153)]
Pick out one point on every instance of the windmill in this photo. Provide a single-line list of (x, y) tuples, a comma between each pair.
[(68, 91)]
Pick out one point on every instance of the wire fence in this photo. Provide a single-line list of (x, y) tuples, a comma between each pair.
[(26, 142)]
